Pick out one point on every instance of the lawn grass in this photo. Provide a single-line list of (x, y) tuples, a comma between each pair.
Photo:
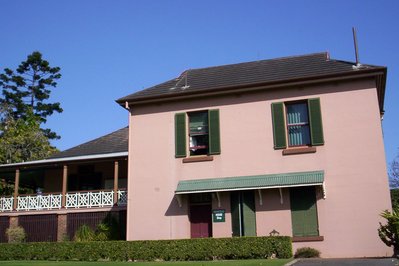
[(274, 262)]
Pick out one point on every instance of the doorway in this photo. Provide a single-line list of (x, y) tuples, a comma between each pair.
[(201, 215), (201, 221)]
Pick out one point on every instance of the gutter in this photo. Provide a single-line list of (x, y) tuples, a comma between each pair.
[(66, 159)]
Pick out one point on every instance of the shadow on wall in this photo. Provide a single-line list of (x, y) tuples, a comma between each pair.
[(174, 209)]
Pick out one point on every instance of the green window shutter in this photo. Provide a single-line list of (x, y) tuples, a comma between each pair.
[(249, 216), (180, 135), (304, 211), (316, 126), (235, 213), (214, 132), (279, 126)]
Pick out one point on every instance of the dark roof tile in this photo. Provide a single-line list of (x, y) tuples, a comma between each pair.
[(257, 72), (112, 143)]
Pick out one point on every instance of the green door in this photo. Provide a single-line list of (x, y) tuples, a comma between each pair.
[(243, 216), (304, 211)]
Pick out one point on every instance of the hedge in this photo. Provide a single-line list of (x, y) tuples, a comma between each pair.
[(167, 250)]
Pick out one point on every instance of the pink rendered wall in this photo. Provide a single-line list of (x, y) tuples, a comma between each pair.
[(353, 160)]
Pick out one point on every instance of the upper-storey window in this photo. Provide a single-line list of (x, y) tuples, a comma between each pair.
[(202, 133), (297, 123), (198, 133)]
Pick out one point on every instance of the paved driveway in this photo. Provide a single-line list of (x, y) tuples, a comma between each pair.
[(346, 262)]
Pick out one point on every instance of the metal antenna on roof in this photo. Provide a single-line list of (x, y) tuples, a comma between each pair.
[(185, 77), (356, 49)]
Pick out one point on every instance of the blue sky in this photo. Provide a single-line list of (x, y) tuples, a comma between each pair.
[(108, 49)]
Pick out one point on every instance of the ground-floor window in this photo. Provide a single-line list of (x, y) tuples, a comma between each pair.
[(304, 211), (201, 215), (243, 216)]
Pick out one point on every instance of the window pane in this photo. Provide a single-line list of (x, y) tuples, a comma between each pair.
[(297, 113), (198, 123), (298, 124), (199, 139), (199, 145), (298, 135)]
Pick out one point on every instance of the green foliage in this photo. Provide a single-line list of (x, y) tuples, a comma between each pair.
[(16, 234), (22, 139), (28, 88), (7, 189), (84, 234), (105, 231), (389, 233), (307, 252), (395, 198), (393, 173), (168, 250), (110, 227), (102, 232)]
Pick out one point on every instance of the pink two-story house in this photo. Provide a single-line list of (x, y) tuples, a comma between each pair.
[(289, 146)]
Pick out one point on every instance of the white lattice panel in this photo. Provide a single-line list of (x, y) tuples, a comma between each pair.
[(39, 202), (107, 198), (122, 197), (22, 203), (55, 201), (90, 199), (6, 203)]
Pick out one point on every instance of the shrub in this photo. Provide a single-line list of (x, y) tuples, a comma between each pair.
[(168, 250), (16, 234), (84, 234), (104, 231), (307, 252), (389, 233)]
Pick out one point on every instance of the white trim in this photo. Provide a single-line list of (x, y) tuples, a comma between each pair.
[(66, 159), (281, 196), (218, 198), (246, 188), (179, 200), (260, 197), (324, 190)]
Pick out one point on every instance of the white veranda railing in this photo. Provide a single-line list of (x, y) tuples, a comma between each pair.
[(94, 199), (39, 202), (6, 203), (122, 197), (78, 199)]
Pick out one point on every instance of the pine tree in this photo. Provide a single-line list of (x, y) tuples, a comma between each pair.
[(27, 89)]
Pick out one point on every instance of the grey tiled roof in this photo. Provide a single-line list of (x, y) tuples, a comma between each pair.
[(112, 143), (250, 73)]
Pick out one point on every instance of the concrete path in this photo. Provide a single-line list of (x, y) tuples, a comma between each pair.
[(346, 262)]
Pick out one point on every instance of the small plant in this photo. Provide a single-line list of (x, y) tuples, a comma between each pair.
[(389, 233), (16, 234), (84, 234), (307, 252), (102, 232)]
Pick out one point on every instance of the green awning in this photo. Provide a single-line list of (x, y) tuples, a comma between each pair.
[(251, 182)]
